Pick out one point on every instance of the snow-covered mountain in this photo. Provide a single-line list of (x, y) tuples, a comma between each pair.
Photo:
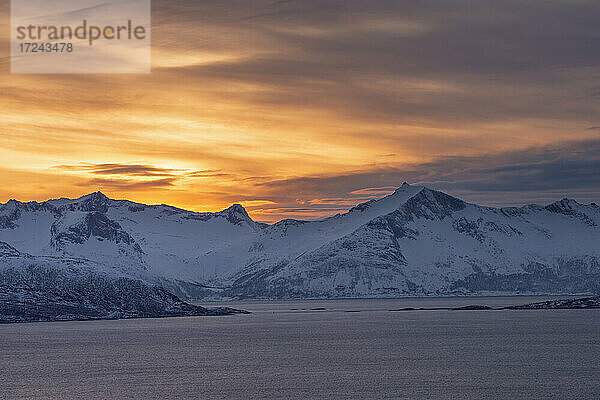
[(414, 242)]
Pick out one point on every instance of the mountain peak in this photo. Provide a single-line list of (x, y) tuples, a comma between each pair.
[(236, 214), (236, 208), (564, 206), (97, 195), (95, 201), (13, 203), (404, 186), (430, 204)]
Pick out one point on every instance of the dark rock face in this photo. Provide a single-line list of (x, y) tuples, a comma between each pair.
[(569, 207), (6, 222), (564, 206), (93, 224), (95, 202), (431, 204), (7, 250), (137, 208), (236, 214)]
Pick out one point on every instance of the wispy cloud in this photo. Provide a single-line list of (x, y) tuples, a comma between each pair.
[(122, 169), (126, 184), (138, 170)]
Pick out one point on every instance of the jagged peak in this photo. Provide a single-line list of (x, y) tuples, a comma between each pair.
[(434, 195), (236, 208), (570, 201), (94, 196), (433, 203), (562, 206), (96, 201), (236, 214), (10, 205), (407, 190), (403, 187)]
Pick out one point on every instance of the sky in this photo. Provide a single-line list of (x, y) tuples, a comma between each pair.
[(304, 108)]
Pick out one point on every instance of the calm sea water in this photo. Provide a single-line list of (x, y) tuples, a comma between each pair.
[(347, 349)]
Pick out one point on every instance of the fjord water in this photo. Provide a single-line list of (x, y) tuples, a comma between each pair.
[(346, 349)]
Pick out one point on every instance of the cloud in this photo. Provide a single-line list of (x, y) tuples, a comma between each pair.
[(122, 169), (138, 170), (215, 173), (125, 184), (537, 174), (504, 65), (130, 178)]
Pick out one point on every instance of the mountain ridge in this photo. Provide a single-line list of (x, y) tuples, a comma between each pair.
[(414, 242), (98, 201)]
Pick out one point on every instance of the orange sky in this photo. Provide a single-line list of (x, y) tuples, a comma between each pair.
[(301, 109)]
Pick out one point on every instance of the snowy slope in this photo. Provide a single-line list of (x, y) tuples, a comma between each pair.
[(435, 244), (416, 241), (44, 288)]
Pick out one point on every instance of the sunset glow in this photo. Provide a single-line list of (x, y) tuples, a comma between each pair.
[(298, 114)]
